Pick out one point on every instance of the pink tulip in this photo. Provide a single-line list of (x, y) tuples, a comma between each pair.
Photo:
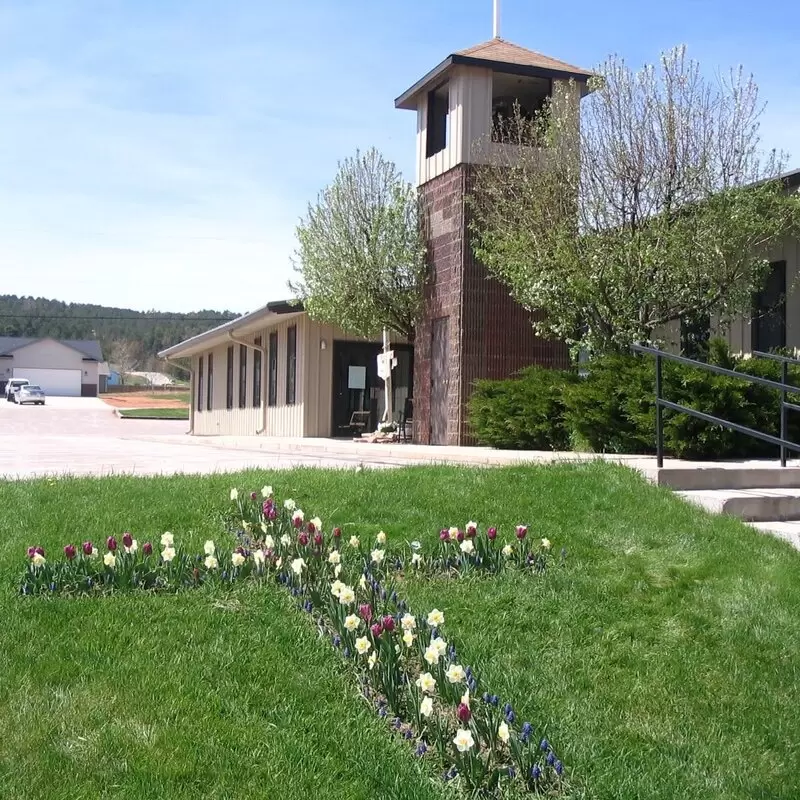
[(522, 531), (492, 533), (69, 551)]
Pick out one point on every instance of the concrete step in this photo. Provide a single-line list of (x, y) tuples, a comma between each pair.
[(734, 477), (788, 530), (751, 505)]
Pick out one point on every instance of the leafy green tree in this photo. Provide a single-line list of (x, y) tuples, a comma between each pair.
[(648, 202), (361, 252)]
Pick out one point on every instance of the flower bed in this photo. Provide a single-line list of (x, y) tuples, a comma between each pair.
[(405, 663)]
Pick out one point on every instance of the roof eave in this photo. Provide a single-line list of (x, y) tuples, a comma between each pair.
[(407, 100)]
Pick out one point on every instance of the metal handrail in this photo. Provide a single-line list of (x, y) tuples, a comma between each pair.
[(776, 357), (783, 387)]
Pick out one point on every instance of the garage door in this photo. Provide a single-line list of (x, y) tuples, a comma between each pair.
[(58, 382)]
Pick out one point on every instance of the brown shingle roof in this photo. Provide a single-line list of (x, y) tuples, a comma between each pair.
[(504, 52), (499, 55)]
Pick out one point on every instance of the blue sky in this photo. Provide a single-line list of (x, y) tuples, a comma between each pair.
[(158, 153)]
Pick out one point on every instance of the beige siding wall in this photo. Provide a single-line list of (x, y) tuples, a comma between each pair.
[(50, 354), (282, 419)]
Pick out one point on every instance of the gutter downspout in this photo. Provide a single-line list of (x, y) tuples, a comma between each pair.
[(263, 350), (192, 390)]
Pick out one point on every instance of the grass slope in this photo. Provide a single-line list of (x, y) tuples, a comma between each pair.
[(154, 413), (662, 661)]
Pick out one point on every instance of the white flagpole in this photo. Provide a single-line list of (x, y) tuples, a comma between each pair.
[(496, 25)]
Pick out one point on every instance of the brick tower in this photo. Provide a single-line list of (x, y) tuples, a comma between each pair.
[(471, 328)]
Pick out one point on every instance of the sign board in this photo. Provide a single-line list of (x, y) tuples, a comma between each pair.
[(357, 378), (386, 363)]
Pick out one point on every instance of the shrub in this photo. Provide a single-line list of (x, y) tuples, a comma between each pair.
[(522, 413)]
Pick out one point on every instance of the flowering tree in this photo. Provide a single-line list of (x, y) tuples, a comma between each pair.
[(361, 251), (648, 203)]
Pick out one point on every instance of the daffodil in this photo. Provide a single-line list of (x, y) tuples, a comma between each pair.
[(416, 559), (234, 494), (431, 655), (363, 645), (298, 515), (264, 527), (347, 596), (266, 492), (426, 683), (298, 565), (336, 588), (467, 546), (463, 740), (546, 543), (507, 550), (426, 707), (455, 673), (167, 540), (110, 560), (269, 542), (237, 559), (415, 545), (439, 645), (334, 557), (279, 563), (286, 540), (453, 534), (209, 549), (337, 570), (362, 582), (95, 553), (502, 733), (132, 547), (317, 523), (408, 622), (211, 562), (377, 556), (167, 554), (259, 558), (381, 538), (289, 504), (354, 543), (408, 638), (465, 698), (38, 560), (435, 618), (372, 659), (352, 622)]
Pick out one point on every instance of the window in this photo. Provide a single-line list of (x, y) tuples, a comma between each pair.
[(229, 379), (768, 325), (242, 376), (257, 373), (438, 109), (273, 369), (210, 386), (291, 365), (200, 383), (514, 100)]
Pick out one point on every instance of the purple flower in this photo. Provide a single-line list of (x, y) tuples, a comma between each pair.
[(377, 629), (39, 550), (388, 623), (444, 535), (303, 539), (471, 531), (317, 539), (527, 729), (69, 551), (492, 533), (337, 533), (422, 748), (365, 612), (253, 496), (559, 767), (31, 552), (551, 758), (111, 543), (486, 697), (87, 548), (463, 712), (522, 531), (147, 548), (544, 744), (127, 539), (311, 527), (272, 514), (536, 772), (336, 641), (460, 536)]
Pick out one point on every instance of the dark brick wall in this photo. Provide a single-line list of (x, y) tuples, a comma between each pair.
[(491, 335)]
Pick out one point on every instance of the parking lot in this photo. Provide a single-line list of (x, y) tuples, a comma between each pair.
[(83, 436)]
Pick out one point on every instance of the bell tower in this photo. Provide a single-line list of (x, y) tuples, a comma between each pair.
[(471, 328)]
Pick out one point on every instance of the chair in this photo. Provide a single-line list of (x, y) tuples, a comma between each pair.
[(359, 421), (407, 419)]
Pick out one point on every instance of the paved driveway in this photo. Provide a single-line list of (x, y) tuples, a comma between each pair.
[(83, 436)]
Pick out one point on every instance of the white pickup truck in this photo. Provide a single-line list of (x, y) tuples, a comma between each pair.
[(12, 387)]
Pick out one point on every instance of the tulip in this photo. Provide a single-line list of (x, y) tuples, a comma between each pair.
[(303, 539), (39, 551), (464, 714), (272, 514), (460, 536), (127, 539), (253, 496), (492, 533), (318, 539), (311, 527), (444, 535), (388, 623), (337, 532), (31, 552), (522, 531), (297, 522), (69, 551), (111, 543), (377, 629), (471, 531), (147, 548), (365, 612), (87, 548)]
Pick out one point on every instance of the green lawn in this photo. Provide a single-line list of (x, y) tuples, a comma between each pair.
[(154, 413), (168, 395), (662, 660)]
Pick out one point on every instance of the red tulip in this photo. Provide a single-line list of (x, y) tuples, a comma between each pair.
[(69, 551), (460, 536), (87, 548), (303, 539), (127, 539), (377, 629), (464, 714), (31, 552), (365, 612), (492, 533), (147, 548), (253, 496), (522, 531), (388, 623), (337, 532), (111, 543), (318, 539)]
